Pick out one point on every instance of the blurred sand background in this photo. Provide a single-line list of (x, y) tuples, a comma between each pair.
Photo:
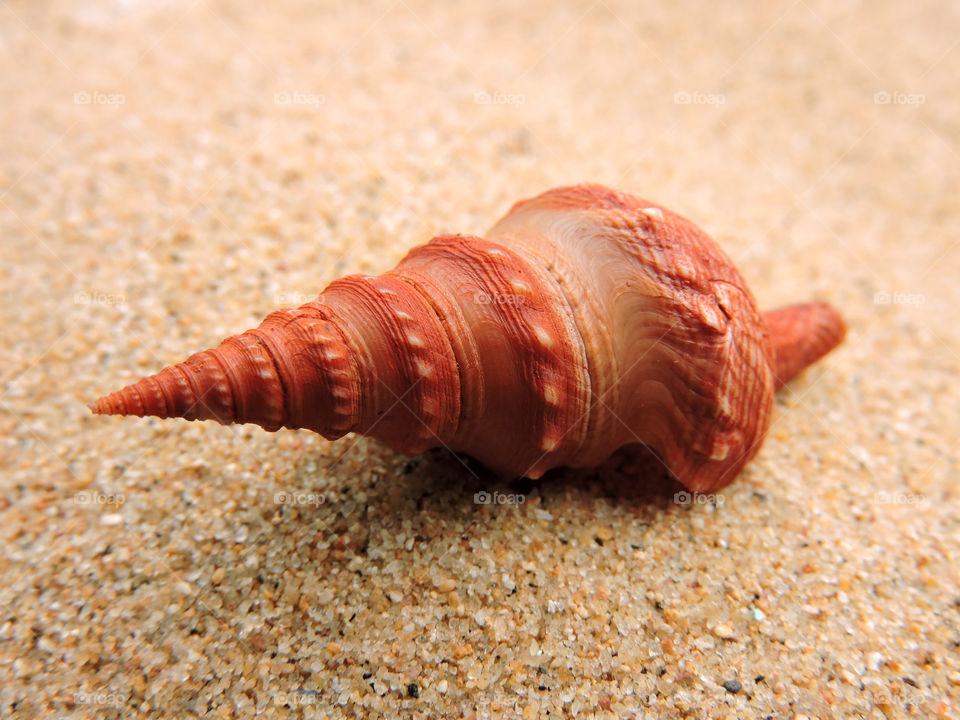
[(170, 172)]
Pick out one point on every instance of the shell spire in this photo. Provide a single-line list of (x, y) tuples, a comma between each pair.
[(586, 320), (289, 372)]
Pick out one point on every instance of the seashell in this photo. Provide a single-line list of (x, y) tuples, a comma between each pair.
[(586, 320)]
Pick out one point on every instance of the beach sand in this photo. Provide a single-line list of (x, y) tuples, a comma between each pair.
[(170, 172)]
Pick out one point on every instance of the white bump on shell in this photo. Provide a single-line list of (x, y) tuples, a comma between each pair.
[(551, 395), (543, 336), (519, 286), (719, 451)]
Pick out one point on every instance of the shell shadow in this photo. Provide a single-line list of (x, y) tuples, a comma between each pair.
[(634, 476)]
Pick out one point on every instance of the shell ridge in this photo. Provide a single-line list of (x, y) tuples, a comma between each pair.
[(231, 382), (442, 322), (585, 405), (280, 369)]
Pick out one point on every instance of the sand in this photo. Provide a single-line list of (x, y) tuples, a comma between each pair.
[(170, 172)]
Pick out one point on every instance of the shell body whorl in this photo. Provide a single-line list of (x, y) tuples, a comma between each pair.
[(586, 320)]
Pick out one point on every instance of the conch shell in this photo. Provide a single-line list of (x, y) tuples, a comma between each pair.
[(586, 320)]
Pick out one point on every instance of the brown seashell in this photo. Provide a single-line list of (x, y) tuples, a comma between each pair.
[(586, 320)]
